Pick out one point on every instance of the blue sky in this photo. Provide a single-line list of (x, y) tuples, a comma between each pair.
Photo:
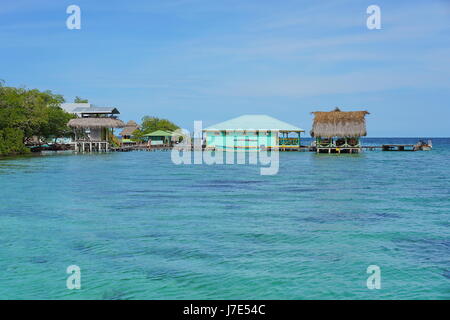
[(212, 60)]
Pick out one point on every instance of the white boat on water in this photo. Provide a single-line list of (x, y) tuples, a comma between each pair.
[(423, 146)]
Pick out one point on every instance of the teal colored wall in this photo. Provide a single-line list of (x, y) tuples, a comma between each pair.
[(241, 140)]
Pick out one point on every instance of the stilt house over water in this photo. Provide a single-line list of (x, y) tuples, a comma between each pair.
[(339, 132), (94, 129), (253, 132)]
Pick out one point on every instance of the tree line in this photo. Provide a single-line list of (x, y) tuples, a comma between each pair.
[(27, 113), (150, 124)]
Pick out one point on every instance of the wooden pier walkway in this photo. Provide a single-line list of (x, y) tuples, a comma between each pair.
[(140, 148), (392, 147), (385, 147), (399, 147)]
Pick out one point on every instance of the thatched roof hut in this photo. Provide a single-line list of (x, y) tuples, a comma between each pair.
[(129, 128), (337, 123), (94, 123)]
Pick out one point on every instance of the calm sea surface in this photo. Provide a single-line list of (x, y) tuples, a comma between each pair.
[(140, 227)]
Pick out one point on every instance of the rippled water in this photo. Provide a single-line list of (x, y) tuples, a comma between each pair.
[(141, 227)]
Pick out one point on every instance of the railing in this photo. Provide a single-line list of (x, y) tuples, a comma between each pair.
[(289, 141), (328, 143), (334, 145)]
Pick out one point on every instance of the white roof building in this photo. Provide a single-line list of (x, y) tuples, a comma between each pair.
[(70, 107), (258, 122), (252, 132), (83, 109)]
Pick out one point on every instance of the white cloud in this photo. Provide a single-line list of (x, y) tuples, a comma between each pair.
[(349, 83)]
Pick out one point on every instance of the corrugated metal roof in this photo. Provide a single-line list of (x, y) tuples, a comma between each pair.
[(93, 109), (254, 122), (69, 107)]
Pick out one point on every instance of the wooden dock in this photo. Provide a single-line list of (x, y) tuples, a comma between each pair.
[(398, 147), (384, 147), (392, 147), (337, 149), (289, 148), (140, 148), (371, 148)]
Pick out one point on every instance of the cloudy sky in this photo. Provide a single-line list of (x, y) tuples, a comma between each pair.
[(212, 60)]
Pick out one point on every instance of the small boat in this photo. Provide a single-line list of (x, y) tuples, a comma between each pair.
[(423, 146), (50, 147), (39, 148)]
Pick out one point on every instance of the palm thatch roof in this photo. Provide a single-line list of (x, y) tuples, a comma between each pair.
[(338, 123), (132, 123), (95, 123), (129, 128)]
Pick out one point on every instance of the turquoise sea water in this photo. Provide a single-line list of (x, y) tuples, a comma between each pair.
[(140, 227)]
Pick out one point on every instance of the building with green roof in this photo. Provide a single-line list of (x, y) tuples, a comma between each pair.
[(253, 132), (159, 137)]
